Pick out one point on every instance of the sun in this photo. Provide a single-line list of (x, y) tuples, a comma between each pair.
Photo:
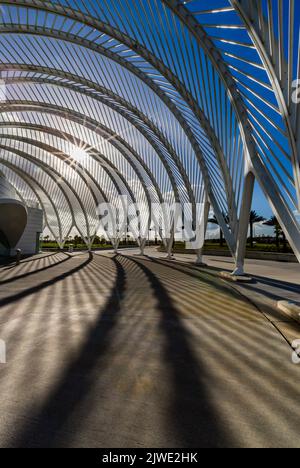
[(79, 154)]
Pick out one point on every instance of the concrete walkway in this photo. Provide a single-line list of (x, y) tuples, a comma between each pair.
[(271, 282), (122, 351), (282, 280)]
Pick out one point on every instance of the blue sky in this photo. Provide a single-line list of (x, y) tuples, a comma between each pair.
[(261, 206), (260, 203)]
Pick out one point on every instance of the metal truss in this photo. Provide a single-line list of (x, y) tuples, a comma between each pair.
[(105, 163), (231, 33), (80, 169), (173, 101), (142, 123)]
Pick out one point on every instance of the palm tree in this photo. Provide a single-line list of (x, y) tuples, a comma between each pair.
[(273, 222), (254, 219), (215, 221)]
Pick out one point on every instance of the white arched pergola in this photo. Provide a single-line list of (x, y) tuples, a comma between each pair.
[(173, 101)]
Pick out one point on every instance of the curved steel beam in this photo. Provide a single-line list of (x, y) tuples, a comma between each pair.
[(28, 105), (262, 174), (26, 29), (123, 143), (275, 83), (106, 131), (132, 151), (89, 123), (64, 157), (49, 171), (97, 157), (146, 54), (61, 188), (55, 175), (269, 186), (124, 104), (83, 172), (220, 66)]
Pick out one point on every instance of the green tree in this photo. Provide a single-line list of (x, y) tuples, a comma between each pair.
[(215, 221), (97, 240), (254, 219), (273, 222), (78, 241)]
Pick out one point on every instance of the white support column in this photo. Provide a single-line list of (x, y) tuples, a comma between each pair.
[(115, 243), (280, 208), (63, 241), (61, 245), (88, 243), (163, 239), (229, 238), (244, 225), (142, 244), (92, 242), (170, 243), (199, 252)]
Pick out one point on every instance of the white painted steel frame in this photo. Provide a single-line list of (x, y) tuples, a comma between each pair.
[(208, 92)]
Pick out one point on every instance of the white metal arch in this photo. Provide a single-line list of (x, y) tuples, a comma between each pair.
[(212, 197), (225, 74)]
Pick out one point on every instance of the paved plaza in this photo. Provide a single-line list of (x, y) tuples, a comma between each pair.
[(108, 350)]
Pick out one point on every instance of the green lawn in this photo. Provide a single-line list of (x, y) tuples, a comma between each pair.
[(180, 247), (258, 247), (54, 246)]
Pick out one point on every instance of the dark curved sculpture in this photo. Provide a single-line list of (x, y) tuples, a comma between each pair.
[(13, 215)]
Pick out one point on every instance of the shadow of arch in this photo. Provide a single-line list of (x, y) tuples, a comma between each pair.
[(199, 273), (36, 258), (191, 412), (76, 380), (39, 270), (28, 292)]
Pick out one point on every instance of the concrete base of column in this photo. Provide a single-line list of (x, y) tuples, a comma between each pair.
[(239, 270), (170, 257), (235, 278), (199, 260)]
